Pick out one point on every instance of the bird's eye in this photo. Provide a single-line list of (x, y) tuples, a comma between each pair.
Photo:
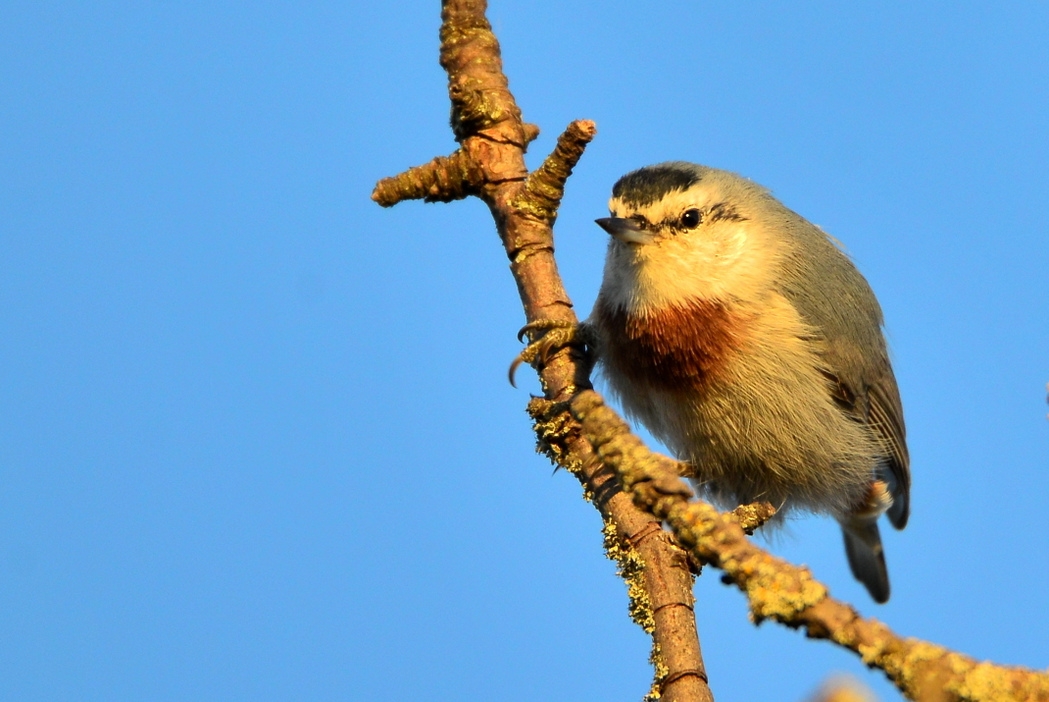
[(691, 219)]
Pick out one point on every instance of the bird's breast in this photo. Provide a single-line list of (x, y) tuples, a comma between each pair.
[(684, 346)]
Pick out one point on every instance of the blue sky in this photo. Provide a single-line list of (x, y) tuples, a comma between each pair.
[(256, 440)]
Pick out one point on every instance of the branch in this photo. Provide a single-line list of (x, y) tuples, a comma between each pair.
[(490, 164), (544, 187), (440, 180), (786, 593)]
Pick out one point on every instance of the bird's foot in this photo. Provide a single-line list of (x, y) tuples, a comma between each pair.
[(874, 503), (547, 337)]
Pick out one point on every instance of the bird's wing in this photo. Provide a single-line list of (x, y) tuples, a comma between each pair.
[(833, 297), (885, 414), (878, 405)]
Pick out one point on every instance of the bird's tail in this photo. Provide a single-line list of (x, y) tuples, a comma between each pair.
[(866, 556)]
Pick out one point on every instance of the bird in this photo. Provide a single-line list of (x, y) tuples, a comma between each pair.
[(744, 338)]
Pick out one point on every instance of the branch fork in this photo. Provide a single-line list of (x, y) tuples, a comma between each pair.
[(636, 490)]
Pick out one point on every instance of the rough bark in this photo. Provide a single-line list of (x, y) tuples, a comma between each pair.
[(636, 490)]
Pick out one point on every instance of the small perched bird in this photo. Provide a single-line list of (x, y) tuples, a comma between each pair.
[(749, 344)]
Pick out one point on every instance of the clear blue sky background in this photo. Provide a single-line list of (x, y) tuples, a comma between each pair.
[(256, 439)]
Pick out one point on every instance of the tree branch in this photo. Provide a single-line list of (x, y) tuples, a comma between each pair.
[(440, 180), (786, 593), (490, 164)]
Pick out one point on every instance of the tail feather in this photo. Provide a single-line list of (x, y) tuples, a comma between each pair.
[(866, 556)]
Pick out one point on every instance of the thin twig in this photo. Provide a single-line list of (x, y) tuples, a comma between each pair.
[(441, 180)]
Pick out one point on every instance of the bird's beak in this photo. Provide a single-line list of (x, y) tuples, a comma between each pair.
[(626, 230)]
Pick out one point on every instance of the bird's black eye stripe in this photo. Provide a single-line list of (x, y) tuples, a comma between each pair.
[(691, 218)]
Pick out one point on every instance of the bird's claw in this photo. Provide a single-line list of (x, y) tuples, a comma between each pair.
[(550, 336)]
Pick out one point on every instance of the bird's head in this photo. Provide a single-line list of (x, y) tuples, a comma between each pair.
[(681, 232)]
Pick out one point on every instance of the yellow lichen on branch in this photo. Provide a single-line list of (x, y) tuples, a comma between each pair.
[(477, 87), (657, 572), (487, 123), (593, 443), (545, 186), (788, 594), (492, 137), (754, 515), (441, 180)]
